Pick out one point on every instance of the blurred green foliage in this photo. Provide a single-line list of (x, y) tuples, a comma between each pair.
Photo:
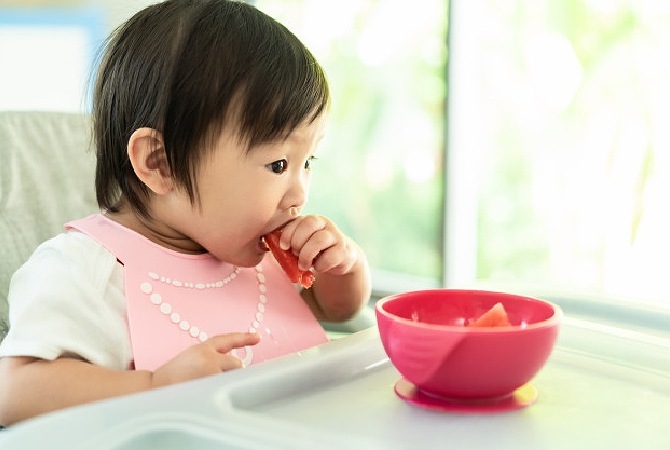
[(379, 171), (574, 193)]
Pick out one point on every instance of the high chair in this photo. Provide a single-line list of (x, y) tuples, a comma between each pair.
[(46, 178)]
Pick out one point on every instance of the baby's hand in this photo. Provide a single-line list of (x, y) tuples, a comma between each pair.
[(318, 243), (207, 358)]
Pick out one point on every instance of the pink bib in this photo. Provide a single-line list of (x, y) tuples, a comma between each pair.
[(175, 300)]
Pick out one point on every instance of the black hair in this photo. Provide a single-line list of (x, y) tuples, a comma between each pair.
[(184, 68)]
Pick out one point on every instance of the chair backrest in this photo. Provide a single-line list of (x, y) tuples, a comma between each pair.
[(46, 178)]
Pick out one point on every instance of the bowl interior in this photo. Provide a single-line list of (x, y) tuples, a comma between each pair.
[(452, 307)]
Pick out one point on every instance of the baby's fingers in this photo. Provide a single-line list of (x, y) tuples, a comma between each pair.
[(336, 260), (299, 231), (224, 343)]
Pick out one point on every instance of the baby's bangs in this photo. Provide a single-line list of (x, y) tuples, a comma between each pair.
[(289, 88)]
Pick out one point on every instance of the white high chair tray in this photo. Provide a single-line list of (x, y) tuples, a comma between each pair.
[(603, 387)]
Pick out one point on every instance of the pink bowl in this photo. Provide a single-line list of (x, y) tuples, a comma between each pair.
[(424, 333)]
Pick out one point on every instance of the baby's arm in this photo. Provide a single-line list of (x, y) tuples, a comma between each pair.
[(31, 386), (342, 285)]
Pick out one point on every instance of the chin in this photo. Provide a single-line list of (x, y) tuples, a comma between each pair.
[(248, 265), (244, 256), (246, 261)]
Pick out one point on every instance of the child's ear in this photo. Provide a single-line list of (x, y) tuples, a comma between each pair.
[(147, 156)]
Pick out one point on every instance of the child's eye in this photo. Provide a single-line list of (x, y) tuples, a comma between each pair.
[(278, 167), (308, 163)]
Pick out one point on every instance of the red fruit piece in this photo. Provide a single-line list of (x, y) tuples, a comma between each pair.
[(288, 261), (494, 317)]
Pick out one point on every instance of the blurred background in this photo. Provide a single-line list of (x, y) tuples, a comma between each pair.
[(514, 145)]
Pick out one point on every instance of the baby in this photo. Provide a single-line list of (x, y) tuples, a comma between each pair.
[(206, 116)]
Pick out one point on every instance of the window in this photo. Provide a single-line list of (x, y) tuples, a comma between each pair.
[(47, 56), (556, 169), (559, 166)]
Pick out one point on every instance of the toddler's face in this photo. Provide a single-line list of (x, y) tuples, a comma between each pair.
[(244, 195)]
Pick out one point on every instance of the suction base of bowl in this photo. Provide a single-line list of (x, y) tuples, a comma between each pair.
[(522, 397)]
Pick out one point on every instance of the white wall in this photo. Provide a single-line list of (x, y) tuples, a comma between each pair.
[(47, 47)]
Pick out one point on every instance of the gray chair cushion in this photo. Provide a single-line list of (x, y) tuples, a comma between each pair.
[(46, 179)]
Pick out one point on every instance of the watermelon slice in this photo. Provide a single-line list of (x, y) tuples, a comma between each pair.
[(494, 317), (288, 261)]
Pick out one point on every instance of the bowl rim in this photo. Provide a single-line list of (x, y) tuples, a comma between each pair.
[(553, 320)]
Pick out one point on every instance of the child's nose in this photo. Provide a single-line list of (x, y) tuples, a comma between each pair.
[(296, 197)]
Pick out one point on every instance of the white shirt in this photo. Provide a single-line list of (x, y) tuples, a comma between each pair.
[(68, 300)]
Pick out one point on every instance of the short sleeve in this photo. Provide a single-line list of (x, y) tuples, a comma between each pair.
[(68, 300)]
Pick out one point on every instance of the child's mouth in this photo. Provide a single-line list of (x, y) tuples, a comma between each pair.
[(262, 244)]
